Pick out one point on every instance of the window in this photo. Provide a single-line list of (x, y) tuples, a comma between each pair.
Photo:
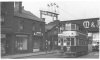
[(65, 41), (68, 42), (59, 40), (21, 27), (72, 41), (62, 41), (33, 28), (68, 39), (77, 27), (73, 26), (67, 26), (21, 42)]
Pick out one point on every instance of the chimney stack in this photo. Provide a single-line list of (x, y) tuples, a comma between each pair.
[(18, 6)]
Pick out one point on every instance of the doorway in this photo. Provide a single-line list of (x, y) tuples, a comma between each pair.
[(37, 43), (4, 45)]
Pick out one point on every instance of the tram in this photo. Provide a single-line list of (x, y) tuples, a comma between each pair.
[(73, 40)]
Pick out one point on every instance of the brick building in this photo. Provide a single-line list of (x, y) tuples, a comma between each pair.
[(21, 31)]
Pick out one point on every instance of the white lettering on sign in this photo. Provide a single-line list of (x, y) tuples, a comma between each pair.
[(86, 24), (92, 25)]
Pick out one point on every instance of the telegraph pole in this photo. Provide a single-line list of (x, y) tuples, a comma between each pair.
[(53, 13)]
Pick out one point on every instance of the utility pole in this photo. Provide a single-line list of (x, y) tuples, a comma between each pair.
[(50, 13)]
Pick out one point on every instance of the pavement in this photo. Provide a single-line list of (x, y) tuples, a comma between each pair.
[(28, 54)]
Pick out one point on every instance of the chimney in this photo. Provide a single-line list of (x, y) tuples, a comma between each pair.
[(18, 6)]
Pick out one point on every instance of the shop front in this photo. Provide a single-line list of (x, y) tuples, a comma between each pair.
[(21, 43), (37, 42), (6, 41), (4, 44)]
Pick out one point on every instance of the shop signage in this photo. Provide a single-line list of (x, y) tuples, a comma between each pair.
[(90, 24), (38, 33), (21, 36)]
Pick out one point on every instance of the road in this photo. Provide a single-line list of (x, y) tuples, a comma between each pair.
[(58, 55), (91, 55)]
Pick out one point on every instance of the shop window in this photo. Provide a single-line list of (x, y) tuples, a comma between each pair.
[(65, 40), (21, 43)]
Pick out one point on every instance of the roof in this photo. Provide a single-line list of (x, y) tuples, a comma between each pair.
[(50, 25), (27, 14)]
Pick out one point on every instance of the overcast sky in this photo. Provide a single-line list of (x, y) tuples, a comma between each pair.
[(68, 9)]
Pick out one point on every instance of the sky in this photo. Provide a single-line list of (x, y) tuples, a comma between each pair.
[(68, 9)]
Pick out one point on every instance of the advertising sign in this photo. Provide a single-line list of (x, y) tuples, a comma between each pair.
[(91, 25)]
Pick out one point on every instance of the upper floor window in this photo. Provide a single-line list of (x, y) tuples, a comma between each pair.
[(67, 26), (33, 28), (40, 29), (73, 26), (21, 27), (2, 19)]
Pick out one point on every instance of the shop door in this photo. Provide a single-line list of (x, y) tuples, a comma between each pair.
[(36, 45)]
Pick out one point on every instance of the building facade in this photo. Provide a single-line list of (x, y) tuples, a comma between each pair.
[(21, 31)]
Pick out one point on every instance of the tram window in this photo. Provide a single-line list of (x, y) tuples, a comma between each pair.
[(65, 40), (61, 40), (68, 43), (58, 41), (72, 41), (68, 39)]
